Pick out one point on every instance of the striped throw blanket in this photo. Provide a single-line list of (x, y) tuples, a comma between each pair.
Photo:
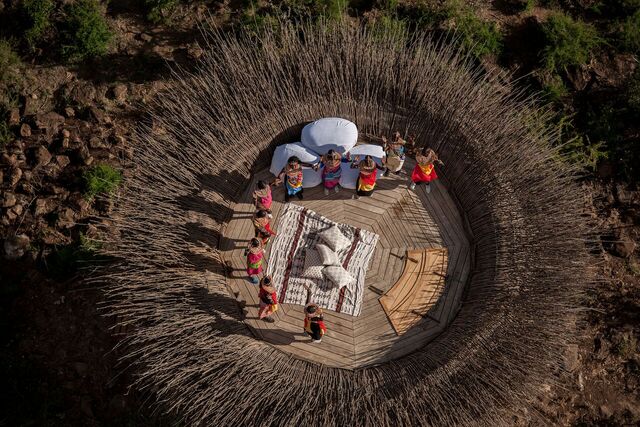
[(298, 229)]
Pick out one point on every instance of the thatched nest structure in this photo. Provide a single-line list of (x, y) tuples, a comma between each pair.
[(185, 336)]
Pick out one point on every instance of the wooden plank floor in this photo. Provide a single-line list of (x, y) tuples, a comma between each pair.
[(404, 220)]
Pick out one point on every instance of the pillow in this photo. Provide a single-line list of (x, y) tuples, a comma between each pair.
[(329, 133), (311, 178), (334, 238), (338, 275), (283, 152), (327, 256), (312, 264)]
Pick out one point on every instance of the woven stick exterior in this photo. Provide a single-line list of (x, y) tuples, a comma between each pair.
[(186, 339)]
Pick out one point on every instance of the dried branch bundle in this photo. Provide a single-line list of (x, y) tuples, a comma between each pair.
[(524, 209)]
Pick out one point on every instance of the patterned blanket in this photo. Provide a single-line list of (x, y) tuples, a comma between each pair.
[(298, 229)]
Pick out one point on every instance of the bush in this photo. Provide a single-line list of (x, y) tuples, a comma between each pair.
[(5, 134), (576, 148), (630, 35), (555, 89), (9, 62), (101, 180), (479, 37), (568, 42), (86, 32), (158, 10), (38, 13)]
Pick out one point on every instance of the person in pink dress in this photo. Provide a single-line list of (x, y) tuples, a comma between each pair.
[(262, 197), (255, 259)]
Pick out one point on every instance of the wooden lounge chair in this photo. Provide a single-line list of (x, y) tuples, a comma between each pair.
[(418, 288)]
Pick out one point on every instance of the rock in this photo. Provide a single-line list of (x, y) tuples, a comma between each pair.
[(66, 133), (14, 176), (624, 245), (31, 106), (194, 51), (44, 206), (14, 117), (69, 112), (605, 411), (82, 93), (79, 202), (145, 37), (8, 200), (96, 142), (25, 130), (62, 161), (49, 122), (16, 246), (91, 231), (625, 196), (100, 116), (85, 156), (120, 92), (17, 209), (9, 160), (43, 156)]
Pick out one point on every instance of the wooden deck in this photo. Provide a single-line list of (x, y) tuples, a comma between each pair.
[(404, 220)]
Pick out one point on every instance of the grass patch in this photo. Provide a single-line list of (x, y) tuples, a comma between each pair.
[(568, 42), (576, 148), (38, 13), (9, 62), (5, 134), (67, 260), (159, 10), (630, 33), (555, 90), (101, 180), (626, 348), (86, 33), (476, 36)]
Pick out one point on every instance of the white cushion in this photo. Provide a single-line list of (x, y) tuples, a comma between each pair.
[(334, 238), (327, 255), (349, 176), (283, 152), (312, 264), (330, 133), (338, 275), (362, 150), (311, 178)]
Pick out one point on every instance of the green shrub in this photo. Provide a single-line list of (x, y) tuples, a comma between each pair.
[(101, 179), (86, 32), (9, 62), (477, 36), (633, 92), (38, 12), (555, 89), (568, 42), (158, 10), (5, 134), (630, 35), (576, 148), (69, 259)]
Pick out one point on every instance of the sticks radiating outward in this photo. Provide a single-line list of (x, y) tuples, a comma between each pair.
[(185, 335)]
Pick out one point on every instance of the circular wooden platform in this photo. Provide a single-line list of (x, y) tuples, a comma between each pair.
[(404, 220)]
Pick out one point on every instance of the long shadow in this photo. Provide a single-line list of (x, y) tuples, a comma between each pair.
[(227, 315)]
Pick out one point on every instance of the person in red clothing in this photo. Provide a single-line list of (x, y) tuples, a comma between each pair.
[(314, 323), (368, 172), (425, 170), (262, 197), (268, 299), (262, 226)]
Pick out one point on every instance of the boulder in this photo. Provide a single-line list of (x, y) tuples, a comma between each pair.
[(119, 92), (83, 93), (25, 130), (10, 160), (8, 200), (79, 202), (49, 122), (16, 246), (66, 218), (69, 112), (44, 206), (62, 161), (624, 247), (14, 117), (14, 176), (42, 156)]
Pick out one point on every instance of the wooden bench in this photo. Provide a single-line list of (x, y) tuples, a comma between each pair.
[(418, 288)]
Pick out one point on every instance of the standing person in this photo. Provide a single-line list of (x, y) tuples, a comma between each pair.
[(332, 171), (268, 299), (367, 176), (314, 323), (425, 170), (395, 152), (255, 258), (262, 197), (291, 176), (262, 226)]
